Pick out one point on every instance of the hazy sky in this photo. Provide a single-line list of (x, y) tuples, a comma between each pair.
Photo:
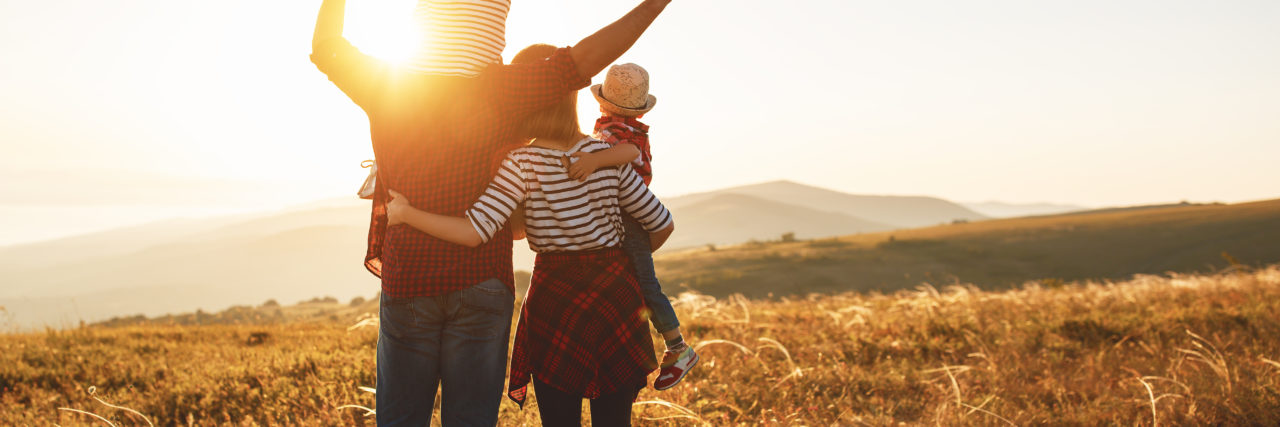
[(118, 112)]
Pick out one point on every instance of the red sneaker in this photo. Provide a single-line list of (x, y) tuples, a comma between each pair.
[(674, 367)]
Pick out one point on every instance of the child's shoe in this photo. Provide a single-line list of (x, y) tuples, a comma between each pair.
[(675, 364)]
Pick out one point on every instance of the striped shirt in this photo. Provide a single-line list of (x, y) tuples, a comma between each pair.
[(460, 37), (561, 213)]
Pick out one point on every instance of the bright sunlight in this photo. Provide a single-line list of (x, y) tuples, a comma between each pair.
[(383, 28)]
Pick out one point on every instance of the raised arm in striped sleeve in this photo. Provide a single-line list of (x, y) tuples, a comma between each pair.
[(505, 193), (636, 199)]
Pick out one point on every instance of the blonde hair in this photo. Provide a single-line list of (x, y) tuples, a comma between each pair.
[(558, 122)]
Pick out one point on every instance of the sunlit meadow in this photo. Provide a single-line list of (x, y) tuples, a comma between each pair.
[(1154, 350)]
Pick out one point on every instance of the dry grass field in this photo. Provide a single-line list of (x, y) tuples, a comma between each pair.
[(1152, 350)]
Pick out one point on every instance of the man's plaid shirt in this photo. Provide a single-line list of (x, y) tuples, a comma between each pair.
[(438, 140)]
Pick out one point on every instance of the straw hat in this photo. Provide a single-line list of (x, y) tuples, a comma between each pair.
[(625, 91)]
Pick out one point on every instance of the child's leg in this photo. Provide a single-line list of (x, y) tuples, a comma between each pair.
[(636, 245), (679, 357)]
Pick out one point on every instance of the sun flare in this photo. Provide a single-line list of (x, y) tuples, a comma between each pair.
[(383, 28)]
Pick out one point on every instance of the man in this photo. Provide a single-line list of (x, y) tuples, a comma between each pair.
[(446, 309)]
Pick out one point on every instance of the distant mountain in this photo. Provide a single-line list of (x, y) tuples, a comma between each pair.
[(183, 276), (106, 243), (997, 209), (74, 249), (893, 211), (736, 218), (316, 250)]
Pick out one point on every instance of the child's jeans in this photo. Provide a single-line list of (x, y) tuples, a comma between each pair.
[(636, 245)]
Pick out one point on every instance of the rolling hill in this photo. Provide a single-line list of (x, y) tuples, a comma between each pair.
[(997, 209), (188, 264), (126, 240), (102, 244), (893, 211), (184, 276), (736, 218), (292, 255), (994, 254)]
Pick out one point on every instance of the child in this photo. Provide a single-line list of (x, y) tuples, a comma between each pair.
[(459, 38), (624, 97)]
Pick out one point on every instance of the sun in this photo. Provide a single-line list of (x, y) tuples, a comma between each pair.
[(383, 28)]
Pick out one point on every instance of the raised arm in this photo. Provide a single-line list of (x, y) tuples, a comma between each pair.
[(329, 23), (599, 50), (362, 77), (523, 87)]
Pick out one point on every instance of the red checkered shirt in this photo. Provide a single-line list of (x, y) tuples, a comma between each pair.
[(628, 130), (438, 140)]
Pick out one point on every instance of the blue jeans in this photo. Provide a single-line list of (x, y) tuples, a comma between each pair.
[(636, 245), (456, 341)]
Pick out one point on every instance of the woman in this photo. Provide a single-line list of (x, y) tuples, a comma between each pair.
[(582, 331)]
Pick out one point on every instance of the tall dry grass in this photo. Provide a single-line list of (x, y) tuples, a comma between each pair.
[(1154, 350)]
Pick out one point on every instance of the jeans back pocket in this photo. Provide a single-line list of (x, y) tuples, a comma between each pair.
[(486, 310), (491, 295)]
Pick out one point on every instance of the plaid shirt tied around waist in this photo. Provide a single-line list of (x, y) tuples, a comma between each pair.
[(583, 328)]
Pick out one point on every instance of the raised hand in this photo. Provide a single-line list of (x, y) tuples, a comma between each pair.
[(329, 22), (603, 47)]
